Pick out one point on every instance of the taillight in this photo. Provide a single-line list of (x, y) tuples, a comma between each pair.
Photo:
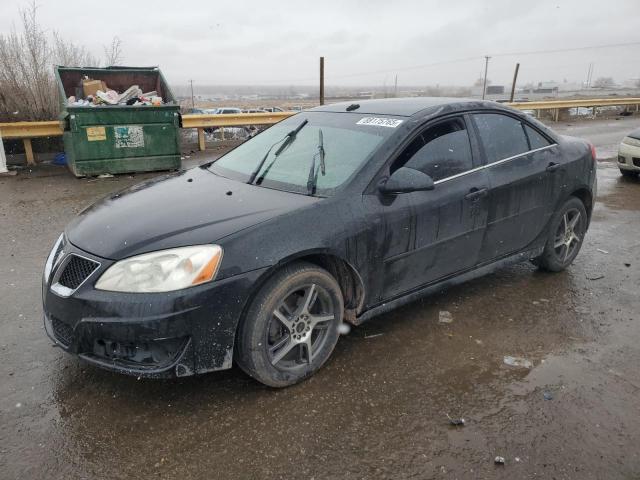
[(593, 152)]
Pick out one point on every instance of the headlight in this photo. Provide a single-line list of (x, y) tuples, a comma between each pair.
[(163, 271), (631, 141), (53, 256)]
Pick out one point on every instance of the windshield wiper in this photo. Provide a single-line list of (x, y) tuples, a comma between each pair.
[(313, 173), (286, 141)]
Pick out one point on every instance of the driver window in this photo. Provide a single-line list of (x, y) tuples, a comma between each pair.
[(440, 151)]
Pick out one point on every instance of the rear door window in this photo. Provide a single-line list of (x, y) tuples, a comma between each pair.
[(536, 140), (440, 151), (501, 136)]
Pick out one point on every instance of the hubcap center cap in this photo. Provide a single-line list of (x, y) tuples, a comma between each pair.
[(300, 327)]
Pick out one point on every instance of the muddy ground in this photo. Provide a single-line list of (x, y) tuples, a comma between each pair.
[(379, 408)]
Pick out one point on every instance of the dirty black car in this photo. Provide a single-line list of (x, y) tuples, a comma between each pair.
[(333, 215)]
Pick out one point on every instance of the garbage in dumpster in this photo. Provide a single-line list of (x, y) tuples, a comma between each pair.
[(96, 93)]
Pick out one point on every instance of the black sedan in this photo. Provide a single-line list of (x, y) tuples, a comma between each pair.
[(333, 215)]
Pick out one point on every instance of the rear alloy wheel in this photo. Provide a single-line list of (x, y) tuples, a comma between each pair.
[(566, 234), (291, 327)]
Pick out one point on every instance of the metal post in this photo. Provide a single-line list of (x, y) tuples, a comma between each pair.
[(28, 151), (486, 68), (513, 86), (3, 159), (321, 80), (193, 103), (395, 86), (201, 142)]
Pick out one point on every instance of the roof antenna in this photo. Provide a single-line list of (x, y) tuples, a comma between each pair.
[(352, 107)]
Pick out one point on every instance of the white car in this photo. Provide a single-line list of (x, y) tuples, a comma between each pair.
[(629, 154)]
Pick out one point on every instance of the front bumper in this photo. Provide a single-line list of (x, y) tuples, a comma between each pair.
[(170, 334), (629, 157)]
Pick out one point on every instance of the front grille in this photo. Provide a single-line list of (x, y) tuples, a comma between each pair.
[(636, 161), (62, 331), (76, 271)]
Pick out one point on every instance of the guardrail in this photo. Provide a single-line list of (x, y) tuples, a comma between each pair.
[(229, 120), (28, 130)]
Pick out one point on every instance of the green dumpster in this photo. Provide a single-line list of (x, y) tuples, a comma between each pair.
[(118, 138)]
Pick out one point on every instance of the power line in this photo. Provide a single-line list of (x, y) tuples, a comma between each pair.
[(573, 49)]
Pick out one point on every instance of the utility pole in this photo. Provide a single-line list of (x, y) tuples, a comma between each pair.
[(193, 103), (321, 80), (395, 86), (513, 85), (486, 68)]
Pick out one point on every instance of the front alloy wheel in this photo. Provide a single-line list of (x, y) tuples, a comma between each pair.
[(291, 326)]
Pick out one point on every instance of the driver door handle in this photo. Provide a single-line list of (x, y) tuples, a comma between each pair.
[(552, 167), (475, 194)]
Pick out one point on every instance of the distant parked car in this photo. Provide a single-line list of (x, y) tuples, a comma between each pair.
[(229, 110), (271, 109), (629, 154), (253, 110)]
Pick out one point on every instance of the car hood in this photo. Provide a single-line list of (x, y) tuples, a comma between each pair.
[(635, 134), (190, 208)]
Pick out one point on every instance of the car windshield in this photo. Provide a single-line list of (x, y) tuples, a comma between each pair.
[(347, 146)]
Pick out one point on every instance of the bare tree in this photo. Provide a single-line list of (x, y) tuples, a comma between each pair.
[(71, 55), (113, 52), (27, 83)]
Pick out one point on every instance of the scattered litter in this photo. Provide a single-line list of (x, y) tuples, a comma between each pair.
[(627, 264), (499, 460), (517, 362), (456, 421), (517, 459), (548, 395), (18, 405), (479, 342), (602, 251), (374, 335), (105, 175), (595, 276), (535, 302), (445, 317), (344, 328)]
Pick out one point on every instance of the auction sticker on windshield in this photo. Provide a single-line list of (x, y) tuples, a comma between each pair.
[(379, 122)]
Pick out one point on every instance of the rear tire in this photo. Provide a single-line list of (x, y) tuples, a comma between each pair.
[(628, 173), (291, 327), (566, 234)]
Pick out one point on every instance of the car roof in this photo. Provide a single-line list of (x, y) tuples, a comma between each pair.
[(405, 107)]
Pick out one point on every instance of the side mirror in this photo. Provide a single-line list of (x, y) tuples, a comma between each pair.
[(405, 180)]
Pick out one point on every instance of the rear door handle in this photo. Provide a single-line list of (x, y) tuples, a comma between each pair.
[(475, 194), (552, 167)]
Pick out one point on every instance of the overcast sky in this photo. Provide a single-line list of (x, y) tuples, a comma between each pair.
[(279, 42)]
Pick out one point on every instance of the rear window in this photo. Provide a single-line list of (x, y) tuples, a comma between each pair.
[(501, 136)]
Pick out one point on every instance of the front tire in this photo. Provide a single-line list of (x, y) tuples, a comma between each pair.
[(566, 234), (291, 327)]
